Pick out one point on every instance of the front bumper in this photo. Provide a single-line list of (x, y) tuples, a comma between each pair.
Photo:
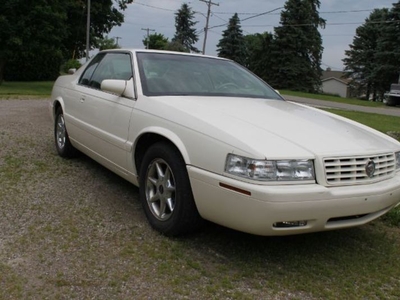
[(324, 208)]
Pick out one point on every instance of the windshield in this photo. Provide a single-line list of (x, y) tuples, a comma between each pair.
[(164, 74)]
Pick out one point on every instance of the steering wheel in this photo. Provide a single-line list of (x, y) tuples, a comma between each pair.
[(227, 85)]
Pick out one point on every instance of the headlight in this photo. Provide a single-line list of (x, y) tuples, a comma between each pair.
[(397, 154), (269, 170)]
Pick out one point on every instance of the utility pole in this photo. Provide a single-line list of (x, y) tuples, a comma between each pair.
[(87, 30), (117, 38), (148, 35), (209, 3)]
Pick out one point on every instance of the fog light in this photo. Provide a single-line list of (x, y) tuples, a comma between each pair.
[(289, 224)]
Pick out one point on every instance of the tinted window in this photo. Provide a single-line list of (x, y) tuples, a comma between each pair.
[(109, 66)]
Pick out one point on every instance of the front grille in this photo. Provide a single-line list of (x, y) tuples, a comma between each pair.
[(352, 170)]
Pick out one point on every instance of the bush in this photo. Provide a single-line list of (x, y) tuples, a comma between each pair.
[(35, 65), (70, 64)]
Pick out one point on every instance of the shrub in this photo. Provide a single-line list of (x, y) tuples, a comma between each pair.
[(70, 64)]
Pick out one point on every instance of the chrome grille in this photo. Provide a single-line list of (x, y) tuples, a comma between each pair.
[(352, 170)]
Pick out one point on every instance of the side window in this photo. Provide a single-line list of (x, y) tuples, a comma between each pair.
[(87, 74), (107, 66)]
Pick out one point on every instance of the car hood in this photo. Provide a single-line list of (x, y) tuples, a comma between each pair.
[(273, 128)]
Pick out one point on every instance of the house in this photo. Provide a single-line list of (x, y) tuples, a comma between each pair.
[(334, 82)]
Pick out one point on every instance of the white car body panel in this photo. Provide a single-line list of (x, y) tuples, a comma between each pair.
[(205, 130)]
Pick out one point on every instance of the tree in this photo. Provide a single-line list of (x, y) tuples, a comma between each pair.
[(106, 43), (43, 33), (31, 34), (232, 45), (388, 54), (363, 63), (156, 41), (185, 34), (298, 47), (259, 54)]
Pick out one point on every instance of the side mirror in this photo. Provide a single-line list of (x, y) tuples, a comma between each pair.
[(71, 71), (114, 86)]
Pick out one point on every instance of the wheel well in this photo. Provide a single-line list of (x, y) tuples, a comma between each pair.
[(56, 106), (144, 143)]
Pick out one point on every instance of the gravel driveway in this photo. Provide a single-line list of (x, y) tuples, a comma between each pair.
[(70, 229), (63, 222)]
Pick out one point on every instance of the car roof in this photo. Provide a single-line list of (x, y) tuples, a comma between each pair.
[(134, 50)]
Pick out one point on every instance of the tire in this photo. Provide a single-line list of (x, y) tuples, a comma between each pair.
[(61, 138), (390, 101), (165, 191)]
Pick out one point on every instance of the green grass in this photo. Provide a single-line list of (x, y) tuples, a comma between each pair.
[(333, 98), (29, 88), (376, 121)]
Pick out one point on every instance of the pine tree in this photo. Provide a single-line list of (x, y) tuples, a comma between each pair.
[(298, 47), (259, 59), (185, 34), (232, 45), (388, 54), (363, 62)]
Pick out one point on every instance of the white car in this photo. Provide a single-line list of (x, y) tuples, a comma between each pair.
[(204, 138)]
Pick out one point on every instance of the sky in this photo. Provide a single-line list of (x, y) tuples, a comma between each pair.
[(342, 18)]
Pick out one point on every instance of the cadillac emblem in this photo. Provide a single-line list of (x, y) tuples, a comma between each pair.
[(370, 168)]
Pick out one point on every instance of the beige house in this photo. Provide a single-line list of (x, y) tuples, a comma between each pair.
[(333, 82)]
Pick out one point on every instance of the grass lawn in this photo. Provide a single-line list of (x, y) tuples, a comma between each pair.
[(379, 122), (333, 98), (29, 88)]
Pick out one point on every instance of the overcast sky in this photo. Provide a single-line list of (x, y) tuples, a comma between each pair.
[(342, 17)]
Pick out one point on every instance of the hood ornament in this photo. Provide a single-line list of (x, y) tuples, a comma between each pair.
[(370, 168)]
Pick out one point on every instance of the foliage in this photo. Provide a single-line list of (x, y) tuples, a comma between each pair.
[(106, 43), (297, 47), (259, 54), (156, 41), (185, 34), (362, 63), (31, 35), (232, 44), (41, 34), (70, 64)]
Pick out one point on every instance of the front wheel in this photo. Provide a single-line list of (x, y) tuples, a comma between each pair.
[(63, 144), (165, 191)]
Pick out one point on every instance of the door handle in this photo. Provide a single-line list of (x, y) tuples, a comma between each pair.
[(82, 99)]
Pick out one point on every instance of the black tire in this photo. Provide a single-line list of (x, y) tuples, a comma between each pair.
[(164, 179), (391, 101), (61, 138)]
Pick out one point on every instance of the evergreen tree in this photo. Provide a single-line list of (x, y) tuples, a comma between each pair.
[(259, 54), (185, 34), (232, 45), (363, 61), (297, 48), (388, 54)]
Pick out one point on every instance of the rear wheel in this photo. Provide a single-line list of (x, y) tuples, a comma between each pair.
[(165, 191), (63, 144)]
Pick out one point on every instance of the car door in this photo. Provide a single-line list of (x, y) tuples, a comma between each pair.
[(104, 117)]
